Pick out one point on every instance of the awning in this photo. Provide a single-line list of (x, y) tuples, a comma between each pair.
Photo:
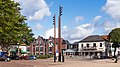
[(23, 52), (69, 50)]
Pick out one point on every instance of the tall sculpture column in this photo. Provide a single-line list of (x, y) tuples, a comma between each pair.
[(59, 33), (54, 23)]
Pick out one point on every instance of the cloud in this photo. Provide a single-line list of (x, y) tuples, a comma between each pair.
[(34, 10), (38, 26), (35, 36), (64, 29), (79, 18), (50, 32), (108, 26), (75, 34), (81, 31), (112, 8), (40, 14), (97, 18), (78, 33)]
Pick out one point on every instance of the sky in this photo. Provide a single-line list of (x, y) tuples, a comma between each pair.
[(80, 18)]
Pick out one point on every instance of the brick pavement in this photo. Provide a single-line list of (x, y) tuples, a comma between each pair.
[(68, 63)]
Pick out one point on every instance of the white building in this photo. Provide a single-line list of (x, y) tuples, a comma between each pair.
[(94, 46)]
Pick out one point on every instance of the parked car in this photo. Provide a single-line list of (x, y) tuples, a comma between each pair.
[(4, 56), (14, 57), (32, 57), (24, 57), (5, 59)]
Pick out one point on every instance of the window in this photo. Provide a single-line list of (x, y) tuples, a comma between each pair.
[(87, 45), (41, 48), (81, 45), (94, 44), (28, 49), (100, 44), (40, 44), (37, 48), (50, 48)]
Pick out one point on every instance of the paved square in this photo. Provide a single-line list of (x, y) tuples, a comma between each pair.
[(78, 62)]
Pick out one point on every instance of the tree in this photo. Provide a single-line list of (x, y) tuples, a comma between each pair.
[(13, 28), (114, 37)]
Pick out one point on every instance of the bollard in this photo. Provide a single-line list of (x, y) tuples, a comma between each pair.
[(63, 59)]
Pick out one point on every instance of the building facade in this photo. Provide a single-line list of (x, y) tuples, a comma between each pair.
[(96, 46), (41, 46), (93, 45)]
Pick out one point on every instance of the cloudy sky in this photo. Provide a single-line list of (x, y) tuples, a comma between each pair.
[(80, 17)]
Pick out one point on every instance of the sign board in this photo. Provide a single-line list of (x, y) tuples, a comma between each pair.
[(57, 53)]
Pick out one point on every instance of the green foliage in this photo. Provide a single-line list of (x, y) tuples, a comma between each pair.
[(115, 37), (13, 28), (44, 56)]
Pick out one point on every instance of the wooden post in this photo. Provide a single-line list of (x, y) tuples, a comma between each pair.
[(54, 20), (59, 39)]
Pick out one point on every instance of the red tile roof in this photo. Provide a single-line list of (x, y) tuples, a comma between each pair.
[(105, 37)]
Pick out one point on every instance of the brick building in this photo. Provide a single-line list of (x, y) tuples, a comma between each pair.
[(41, 46)]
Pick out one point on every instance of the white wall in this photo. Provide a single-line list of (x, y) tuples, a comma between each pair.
[(91, 45), (23, 48), (14, 47)]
